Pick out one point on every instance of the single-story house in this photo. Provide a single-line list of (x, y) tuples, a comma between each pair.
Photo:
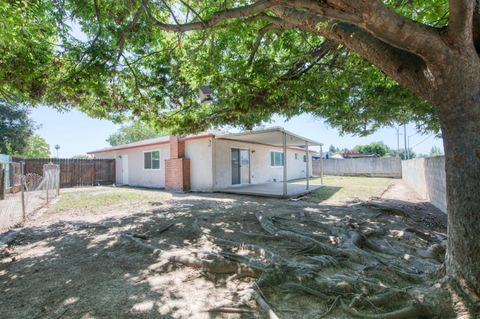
[(213, 161)]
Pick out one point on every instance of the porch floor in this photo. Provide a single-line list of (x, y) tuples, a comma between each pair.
[(270, 189)]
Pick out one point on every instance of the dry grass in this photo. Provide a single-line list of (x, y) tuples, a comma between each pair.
[(341, 189), (96, 200)]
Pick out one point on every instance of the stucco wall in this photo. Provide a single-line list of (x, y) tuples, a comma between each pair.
[(137, 175), (260, 169), (427, 177), (375, 166), (199, 152)]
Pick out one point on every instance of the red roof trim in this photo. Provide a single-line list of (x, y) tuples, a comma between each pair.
[(121, 148)]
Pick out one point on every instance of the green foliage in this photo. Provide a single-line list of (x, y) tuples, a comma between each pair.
[(333, 150), (15, 128), (132, 133), (411, 154), (435, 151), (111, 63), (375, 148), (81, 156), (36, 147)]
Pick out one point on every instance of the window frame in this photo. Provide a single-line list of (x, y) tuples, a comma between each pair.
[(283, 159), (151, 160)]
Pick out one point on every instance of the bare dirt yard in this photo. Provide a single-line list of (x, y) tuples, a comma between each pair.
[(110, 252)]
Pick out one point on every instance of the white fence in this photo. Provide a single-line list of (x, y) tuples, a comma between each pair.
[(427, 177), (372, 166)]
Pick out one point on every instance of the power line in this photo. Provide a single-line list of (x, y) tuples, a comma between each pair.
[(422, 141)]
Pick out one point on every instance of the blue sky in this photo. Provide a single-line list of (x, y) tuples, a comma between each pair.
[(76, 133)]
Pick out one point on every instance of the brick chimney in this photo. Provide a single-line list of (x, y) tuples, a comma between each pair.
[(177, 168)]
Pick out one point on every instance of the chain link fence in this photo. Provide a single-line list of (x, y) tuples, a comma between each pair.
[(23, 194)]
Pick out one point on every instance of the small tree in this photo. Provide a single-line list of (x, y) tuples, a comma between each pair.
[(132, 133), (375, 148), (435, 151), (36, 147), (81, 156)]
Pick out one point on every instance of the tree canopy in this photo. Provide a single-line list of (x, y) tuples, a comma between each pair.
[(113, 59), (374, 148), (37, 147), (132, 133), (15, 128), (146, 59)]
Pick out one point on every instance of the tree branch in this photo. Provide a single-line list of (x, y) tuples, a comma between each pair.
[(460, 21), (404, 67), (382, 22), (256, 44), (240, 12)]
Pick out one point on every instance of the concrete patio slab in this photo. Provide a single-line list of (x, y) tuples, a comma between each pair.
[(274, 190)]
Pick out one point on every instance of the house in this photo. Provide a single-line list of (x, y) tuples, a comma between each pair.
[(214, 161)]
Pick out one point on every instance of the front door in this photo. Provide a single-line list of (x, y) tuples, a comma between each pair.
[(240, 166), (125, 169)]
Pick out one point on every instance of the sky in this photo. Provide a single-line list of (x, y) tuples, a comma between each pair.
[(76, 133)]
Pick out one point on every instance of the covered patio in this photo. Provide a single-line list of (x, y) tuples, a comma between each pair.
[(274, 190), (280, 138)]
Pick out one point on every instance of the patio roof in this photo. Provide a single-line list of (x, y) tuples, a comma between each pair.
[(271, 136)]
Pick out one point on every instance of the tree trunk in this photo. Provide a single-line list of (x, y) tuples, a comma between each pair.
[(460, 121)]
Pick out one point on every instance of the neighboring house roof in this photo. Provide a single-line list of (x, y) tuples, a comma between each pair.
[(271, 136)]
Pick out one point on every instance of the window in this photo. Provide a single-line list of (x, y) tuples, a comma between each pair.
[(276, 158), (304, 158), (296, 156), (151, 160)]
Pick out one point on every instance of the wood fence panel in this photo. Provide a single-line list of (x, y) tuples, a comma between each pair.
[(75, 172)]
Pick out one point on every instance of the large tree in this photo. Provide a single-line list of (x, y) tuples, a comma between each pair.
[(36, 147), (132, 133), (140, 58), (15, 128)]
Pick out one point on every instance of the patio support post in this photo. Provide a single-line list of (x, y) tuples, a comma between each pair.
[(284, 164), (307, 171)]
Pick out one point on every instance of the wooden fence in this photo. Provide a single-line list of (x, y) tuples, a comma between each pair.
[(75, 172)]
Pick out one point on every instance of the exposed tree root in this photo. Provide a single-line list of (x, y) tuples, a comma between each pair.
[(385, 274), (414, 311)]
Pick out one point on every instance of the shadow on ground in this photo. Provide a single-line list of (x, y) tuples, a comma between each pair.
[(88, 268)]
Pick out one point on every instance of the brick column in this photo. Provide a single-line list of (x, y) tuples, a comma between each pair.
[(177, 168)]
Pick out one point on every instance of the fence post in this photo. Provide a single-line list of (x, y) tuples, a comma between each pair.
[(57, 180), (2, 182), (47, 184), (22, 182)]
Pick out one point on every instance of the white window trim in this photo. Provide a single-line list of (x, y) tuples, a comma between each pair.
[(270, 158), (159, 159)]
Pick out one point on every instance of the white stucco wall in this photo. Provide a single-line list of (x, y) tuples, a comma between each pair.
[(137, 175), (199, 151), (260, 169)]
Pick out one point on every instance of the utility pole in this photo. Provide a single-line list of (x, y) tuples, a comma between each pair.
[(398, 140), (405, 140)]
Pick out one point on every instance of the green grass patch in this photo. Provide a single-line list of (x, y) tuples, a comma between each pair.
[(339, 189), (99, 200)]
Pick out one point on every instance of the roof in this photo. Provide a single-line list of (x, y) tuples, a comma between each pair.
[(271, 136)]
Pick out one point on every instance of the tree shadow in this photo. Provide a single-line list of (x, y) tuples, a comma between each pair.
[(87, 269), (324, 193)]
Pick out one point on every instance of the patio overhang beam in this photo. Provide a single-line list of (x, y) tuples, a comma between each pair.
[(271, 136)]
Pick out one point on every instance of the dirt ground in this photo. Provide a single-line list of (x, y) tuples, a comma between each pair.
[(97, 262)]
